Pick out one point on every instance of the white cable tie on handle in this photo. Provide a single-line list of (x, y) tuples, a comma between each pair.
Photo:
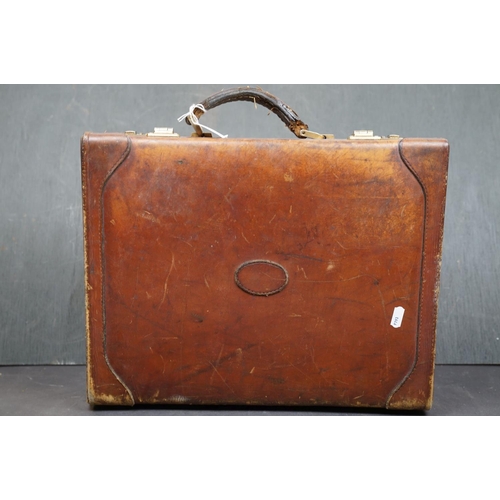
[(194, 119)]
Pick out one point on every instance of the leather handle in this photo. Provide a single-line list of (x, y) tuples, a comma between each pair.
[(286, 114)]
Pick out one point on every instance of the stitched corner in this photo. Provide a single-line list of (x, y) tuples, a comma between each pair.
[(423, 268), (109, 174)]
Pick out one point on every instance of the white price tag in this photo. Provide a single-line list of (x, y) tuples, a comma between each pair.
[(397, 317)]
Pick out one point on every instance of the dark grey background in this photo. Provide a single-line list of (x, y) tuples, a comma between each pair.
[(41, 256)]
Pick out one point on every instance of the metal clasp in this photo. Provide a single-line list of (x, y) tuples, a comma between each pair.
[(364, 134), (315, 135), (163, 132)]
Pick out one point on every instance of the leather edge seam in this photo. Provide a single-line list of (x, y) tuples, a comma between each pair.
[(405, 160), (101, 253)]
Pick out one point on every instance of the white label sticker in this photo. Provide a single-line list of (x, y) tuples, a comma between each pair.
[(397, 317)]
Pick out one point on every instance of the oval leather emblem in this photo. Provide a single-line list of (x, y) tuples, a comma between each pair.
[(261, 277)]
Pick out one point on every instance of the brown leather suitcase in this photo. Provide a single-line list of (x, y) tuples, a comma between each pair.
[(265, 272)]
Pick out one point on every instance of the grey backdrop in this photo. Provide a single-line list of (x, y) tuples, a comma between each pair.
[(41, 255)]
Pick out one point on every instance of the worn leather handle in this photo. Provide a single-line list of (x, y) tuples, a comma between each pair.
[(286, 114)]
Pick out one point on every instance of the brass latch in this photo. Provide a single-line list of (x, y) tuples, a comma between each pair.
[(163, 132), (364, 134), (315, 135)]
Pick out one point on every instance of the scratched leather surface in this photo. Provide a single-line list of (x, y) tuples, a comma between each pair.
[(353, 227)]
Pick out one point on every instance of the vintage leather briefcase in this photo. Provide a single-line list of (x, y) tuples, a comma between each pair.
[(265, 272)]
